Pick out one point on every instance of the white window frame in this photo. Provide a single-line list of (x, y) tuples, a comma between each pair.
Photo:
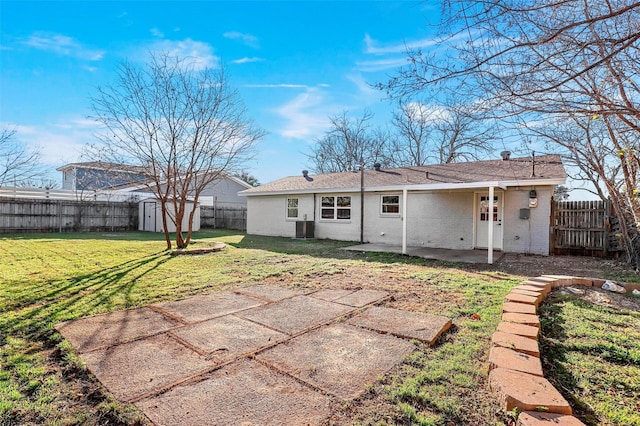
[(287, 208), (382, 204), (335, 207)]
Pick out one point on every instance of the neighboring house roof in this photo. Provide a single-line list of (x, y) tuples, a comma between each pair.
[(514, 172), (101, 165)]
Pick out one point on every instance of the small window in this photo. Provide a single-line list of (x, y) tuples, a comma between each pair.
[(484, 209), (390, 204), (292, 208), (336, 208)]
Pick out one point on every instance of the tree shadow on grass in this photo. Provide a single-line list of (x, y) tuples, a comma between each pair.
[(77, 297)]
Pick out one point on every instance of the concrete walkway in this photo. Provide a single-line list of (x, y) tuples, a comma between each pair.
[(257, 355), (448, 255)]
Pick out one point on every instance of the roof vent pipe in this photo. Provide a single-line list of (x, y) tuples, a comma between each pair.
[(377, 166), (305, 173), (505, 155), (533, 164)]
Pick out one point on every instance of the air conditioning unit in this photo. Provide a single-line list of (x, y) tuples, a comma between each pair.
[(305, 229)]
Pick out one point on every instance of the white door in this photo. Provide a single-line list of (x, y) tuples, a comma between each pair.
[(149, 216), (489, 213)]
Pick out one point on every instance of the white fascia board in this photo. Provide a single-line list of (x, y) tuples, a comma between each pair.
[(417, 187)]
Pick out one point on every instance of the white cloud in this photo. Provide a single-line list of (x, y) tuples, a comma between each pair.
[(306, 115), (197, 54), (63, 45), (247, 60), (247, 39), (365, 91), (373, 48), (381, 64), (156, 32)]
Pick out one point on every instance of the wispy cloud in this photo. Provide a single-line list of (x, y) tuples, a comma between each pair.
[(247, 39), (247, 60), (381, 64), (198, 54), (156, 32), (63, 45), (306, 115), (372, 46)]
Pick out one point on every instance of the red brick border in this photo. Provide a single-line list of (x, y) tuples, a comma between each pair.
[(514, 369)]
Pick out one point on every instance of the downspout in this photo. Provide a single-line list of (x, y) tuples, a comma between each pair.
[(490, 228), (404, 221), (361, 203)]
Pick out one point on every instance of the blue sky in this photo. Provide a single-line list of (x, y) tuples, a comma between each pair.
[(294, 62)]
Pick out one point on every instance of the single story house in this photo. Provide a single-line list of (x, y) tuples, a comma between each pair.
[(132, 182), (502, 204)]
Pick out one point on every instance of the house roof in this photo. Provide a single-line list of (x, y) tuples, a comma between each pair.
[(102, 165), (502, 173)]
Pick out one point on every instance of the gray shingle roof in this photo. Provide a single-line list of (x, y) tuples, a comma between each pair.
[(547, 167)]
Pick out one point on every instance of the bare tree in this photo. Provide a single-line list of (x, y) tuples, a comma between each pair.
[(183, 124), (547, 61), (349, 143), (439, 134), (18, 164)]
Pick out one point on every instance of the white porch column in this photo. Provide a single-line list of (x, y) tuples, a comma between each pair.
[(404, 221), (490, 228)]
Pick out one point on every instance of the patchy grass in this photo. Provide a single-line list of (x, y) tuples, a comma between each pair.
[(592, 355), (49, 278)]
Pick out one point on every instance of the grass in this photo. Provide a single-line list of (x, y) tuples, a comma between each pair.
[(592, 355), (49, 278)]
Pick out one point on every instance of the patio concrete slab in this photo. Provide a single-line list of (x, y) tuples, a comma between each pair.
[(228, 337), (448, 255), (362, 298), (411, 325), (201, 308), (243, 393), (101, 331), (134, 369), (330, 294), (269, 292), (297, 314), (340, 359)]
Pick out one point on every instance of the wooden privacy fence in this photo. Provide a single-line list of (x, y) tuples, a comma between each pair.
[(25, 215), (223, 217), (582, 227)]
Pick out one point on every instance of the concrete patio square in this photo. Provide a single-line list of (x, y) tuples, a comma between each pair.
[(269, 292), (134, 369), (297, 314), (116, 327), (340, 359), (411, 325), (243, 393), (331, 294), (362, 298), (208, 306), (228, 337)]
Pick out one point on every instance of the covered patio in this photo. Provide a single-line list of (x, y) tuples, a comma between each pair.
[(448, 255)]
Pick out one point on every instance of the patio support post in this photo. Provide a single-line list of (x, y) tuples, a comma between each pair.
[(490, 227), (404, 221)]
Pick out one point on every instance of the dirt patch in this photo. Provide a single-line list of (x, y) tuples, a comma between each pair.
[(602, 297), (579, 266)]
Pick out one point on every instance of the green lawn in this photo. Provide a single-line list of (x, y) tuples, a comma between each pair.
[(48, 278)]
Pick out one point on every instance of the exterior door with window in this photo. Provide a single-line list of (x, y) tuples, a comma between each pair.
[(489, 214)]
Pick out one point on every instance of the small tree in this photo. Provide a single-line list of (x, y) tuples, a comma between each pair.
[(17, 163), (247, 177), (183, 124)]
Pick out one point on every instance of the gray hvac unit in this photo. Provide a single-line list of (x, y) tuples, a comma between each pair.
[(304, 229)]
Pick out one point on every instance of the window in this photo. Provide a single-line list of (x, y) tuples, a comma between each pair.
[(292, 208), (336, 208), (390, 204), (484, 208)]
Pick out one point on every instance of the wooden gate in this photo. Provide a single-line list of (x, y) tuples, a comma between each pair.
[(581, 227)]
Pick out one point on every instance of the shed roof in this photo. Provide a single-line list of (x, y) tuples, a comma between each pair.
[(514, 172)]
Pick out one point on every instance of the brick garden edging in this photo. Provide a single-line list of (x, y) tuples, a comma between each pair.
[(515, 370)]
